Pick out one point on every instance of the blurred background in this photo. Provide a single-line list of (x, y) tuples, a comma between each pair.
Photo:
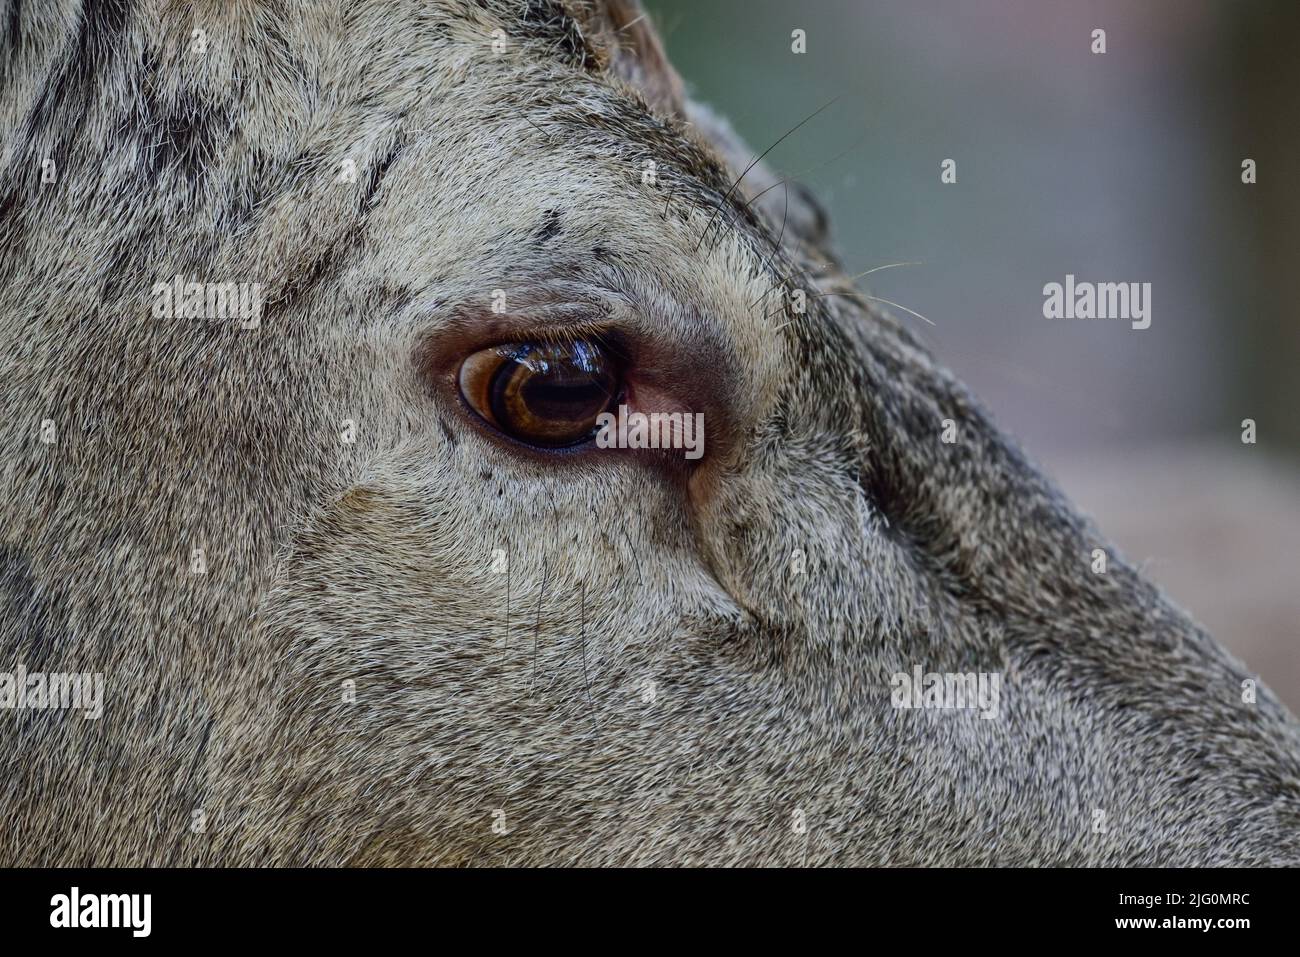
[(1117, 167)]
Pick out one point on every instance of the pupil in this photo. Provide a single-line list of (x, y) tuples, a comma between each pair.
[(551, 394), (563, 400)]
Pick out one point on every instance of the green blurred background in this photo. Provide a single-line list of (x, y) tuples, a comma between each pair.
[(1123, 166)]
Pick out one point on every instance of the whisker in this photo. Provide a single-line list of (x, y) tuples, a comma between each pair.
[(717, 209), (820, 295), (887, 302), (537, 627), (591, 708), (632, 23), (783, 280), (810, 169), (549, 137), (667, 29), (633, 549), (878, 268), (785, 213), (505, 647)]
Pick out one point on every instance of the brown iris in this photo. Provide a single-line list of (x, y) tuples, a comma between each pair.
[(543, 393)]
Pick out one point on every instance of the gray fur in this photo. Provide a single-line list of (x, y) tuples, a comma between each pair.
[(370, 562)]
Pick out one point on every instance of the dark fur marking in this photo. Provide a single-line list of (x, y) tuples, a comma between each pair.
[(549, 22), (329, 263), (12, 234), (99, 37), (65, 101), (549, 229), (184, 135), (394, 299), (34, 624), (300, 286), (14, 28), (63, 104), (118, 271), (882, 489), (239, 207), (377, 173)]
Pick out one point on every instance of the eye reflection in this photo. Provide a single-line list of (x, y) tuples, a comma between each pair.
[(542, 393)]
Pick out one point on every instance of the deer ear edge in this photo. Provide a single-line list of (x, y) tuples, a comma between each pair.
[(635, 53)]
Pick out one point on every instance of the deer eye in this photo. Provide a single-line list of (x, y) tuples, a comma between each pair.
[(542, 393)]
